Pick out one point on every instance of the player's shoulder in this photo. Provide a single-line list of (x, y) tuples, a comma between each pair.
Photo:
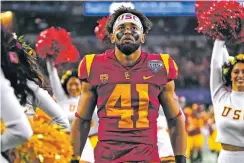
[(164, 60), (88, 59), (100, 57), (90, 62), (161, 56), (164, 57), (92, 57)]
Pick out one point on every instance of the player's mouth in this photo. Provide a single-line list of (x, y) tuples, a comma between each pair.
[(128, 39)]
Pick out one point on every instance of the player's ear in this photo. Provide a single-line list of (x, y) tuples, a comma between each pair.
[(112, 38), (143, 38)]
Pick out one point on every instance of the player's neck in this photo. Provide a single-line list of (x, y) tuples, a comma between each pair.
[(127, 60)]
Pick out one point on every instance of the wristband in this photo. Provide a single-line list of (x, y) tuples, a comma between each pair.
[(180, 159), (74, 161), (76, 157)]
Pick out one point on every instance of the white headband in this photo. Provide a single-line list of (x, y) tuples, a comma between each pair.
[(128, 18)]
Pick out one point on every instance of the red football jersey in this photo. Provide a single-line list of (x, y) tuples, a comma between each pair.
[(128, 99)]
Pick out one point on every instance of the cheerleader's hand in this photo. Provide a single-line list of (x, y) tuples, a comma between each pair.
[(220, 36)]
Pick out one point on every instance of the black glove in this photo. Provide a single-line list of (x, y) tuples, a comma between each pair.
[(74, 161), (180, 159)]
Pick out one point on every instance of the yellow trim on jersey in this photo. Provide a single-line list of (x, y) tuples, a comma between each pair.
[(175, 65), (79, 67), (165, 58), (89, 59), (167, 158)]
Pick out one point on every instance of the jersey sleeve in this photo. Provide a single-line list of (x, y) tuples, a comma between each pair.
[(170, 66), (84, 69)]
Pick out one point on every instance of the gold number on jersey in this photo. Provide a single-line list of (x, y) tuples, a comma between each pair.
[(142, 121), (72, 107), (123, 92)]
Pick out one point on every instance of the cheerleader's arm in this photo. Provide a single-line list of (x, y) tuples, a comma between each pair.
[(57, 88), (18, 128), (45, 102), (219, 56)]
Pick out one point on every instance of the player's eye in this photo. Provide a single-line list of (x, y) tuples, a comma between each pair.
[(134, 28), (120, 28)]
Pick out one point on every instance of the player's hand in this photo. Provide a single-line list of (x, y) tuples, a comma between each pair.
[(180, 159), (74, 161)]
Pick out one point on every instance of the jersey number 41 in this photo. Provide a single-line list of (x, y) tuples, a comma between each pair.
[(123, 91)]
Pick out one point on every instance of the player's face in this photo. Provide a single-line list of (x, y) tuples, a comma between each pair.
[(237, 77), (128, 38), (74, 87)]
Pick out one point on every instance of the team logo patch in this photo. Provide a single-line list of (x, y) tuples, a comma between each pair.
[(104, 78), (155, 65)]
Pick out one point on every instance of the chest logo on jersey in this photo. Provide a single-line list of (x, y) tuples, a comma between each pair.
[(72, 107), (155, 65), (104, 78), (237, 114)]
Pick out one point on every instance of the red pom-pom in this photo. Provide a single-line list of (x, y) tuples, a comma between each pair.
[(100, 28), (220, 18), (70, 54), (201, 7), (57, 43)]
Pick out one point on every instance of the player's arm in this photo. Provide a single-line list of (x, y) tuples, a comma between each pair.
[(82, 121), (175, 119)]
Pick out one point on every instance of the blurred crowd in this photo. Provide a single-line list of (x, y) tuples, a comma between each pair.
[(191, 50), (192, 56)]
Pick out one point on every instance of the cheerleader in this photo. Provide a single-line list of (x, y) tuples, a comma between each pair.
[(67, 93), (18, 129), (21, 69), (227, 91)]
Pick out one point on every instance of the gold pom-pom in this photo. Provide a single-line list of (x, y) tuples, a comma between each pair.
[(47, 145), (40, 114)]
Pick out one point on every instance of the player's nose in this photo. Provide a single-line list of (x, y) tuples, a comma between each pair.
[(127, 30)]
